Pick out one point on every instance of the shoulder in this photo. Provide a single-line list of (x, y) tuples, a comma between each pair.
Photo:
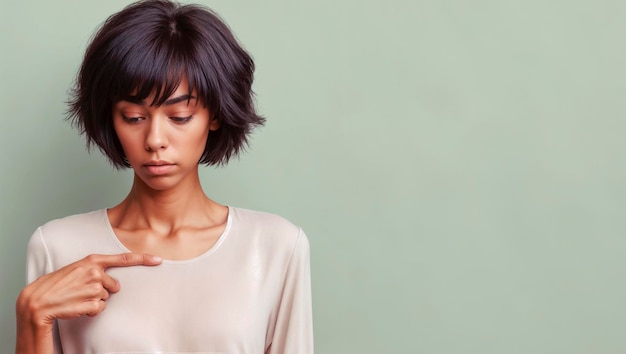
[(268, 229), (259, 220), (70, 238), (73, 225), (62, 241)]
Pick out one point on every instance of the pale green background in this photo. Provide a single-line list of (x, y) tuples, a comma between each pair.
[(459, 166)]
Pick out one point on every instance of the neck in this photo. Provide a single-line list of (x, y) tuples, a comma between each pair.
[(181, 206)]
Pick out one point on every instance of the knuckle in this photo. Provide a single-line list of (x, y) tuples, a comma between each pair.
[(95, 273), (92, 258), (93, 307), (127, 258), (99, 307), (96, 288)]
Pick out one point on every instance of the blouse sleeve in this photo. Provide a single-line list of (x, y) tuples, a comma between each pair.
[(37, 260), (293, 332), (38, 264)]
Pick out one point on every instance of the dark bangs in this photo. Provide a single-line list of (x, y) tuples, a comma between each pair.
[(155, 63), (148, 48)]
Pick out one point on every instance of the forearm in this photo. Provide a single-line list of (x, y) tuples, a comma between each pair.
[(31, 341)]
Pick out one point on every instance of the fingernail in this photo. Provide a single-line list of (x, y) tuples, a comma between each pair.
[(156, 259)]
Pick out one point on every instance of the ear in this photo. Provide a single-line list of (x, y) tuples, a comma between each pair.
[(214, 124)]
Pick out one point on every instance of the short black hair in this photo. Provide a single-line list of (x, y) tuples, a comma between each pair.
[(149, 47)]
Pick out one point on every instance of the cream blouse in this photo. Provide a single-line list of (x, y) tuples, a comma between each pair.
[(250, 293)]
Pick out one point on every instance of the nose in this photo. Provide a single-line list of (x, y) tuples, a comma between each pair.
[(156, 137)]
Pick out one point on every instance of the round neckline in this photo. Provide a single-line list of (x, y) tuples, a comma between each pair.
[(208, 252)]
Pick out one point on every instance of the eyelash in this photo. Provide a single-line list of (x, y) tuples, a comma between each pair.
[(181, 120), (177, 120), (132, 120)]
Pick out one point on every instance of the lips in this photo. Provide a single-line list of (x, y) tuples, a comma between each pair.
[(159, 167)]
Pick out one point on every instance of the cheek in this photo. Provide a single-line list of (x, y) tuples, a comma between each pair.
[(119, 132), (130, 143), (200, 136), (124, 140), (199, 143)]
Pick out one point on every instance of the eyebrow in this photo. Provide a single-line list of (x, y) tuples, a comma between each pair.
[(178, 99), (168, 102)]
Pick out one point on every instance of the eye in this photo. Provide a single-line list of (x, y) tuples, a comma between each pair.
[(132, 120), (181, 120)]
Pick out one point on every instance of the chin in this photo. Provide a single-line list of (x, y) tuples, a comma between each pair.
[(159, 183), (161, 187), (165, 181)]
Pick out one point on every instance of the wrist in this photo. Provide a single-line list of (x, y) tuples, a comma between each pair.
[(34, 336), (29, 314)]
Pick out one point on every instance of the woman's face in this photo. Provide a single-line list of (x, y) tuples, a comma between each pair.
[(164, 144)]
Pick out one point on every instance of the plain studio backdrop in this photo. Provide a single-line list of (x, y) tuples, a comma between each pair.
[(459, 166)]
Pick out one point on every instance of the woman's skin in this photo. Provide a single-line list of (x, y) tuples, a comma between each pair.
[(165, 215), (166, 212)]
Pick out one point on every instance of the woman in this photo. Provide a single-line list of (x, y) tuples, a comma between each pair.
[(163, 88)]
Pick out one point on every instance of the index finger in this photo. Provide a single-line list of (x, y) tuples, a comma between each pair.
[(126, 260)]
